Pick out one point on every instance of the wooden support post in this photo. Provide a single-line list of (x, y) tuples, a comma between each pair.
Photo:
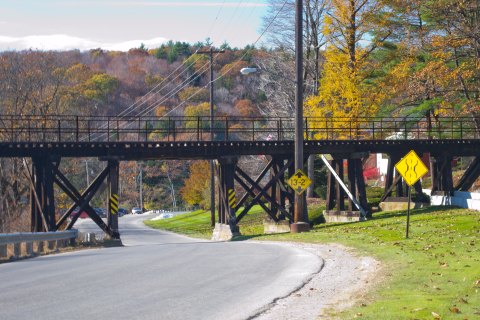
[(49, 195), (113, 197), (351, 182), (362, 191), (227, 199), (434, 173), (42, 196), (399, 188), (340, 194), (390, 182), (442, 177), (447, 174), (273, 192), (35, 199), (389, 178), (330, 201)]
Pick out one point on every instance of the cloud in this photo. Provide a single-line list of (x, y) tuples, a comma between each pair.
[(165, 4), (61, 42)]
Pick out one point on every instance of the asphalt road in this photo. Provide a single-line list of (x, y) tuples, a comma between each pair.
[(156, 275)]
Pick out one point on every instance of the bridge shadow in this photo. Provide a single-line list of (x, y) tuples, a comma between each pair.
[(319, 224)]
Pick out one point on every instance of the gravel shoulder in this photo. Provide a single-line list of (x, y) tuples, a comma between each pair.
[(342, 281)]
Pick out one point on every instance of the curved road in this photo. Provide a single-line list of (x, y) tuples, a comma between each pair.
[(156, 275)]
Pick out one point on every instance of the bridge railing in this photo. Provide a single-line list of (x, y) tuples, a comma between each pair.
[(155, 129)]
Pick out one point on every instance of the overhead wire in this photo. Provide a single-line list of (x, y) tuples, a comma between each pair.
[(127, 112), (241, 58), (224, 30), (183, 85)]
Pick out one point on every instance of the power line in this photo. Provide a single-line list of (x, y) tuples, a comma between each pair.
[(221, 75)]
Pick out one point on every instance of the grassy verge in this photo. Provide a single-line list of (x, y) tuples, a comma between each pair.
[(433, 275)]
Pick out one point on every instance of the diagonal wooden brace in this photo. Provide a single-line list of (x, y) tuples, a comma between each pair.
[(263, 192), (82, 201), (267, 186)]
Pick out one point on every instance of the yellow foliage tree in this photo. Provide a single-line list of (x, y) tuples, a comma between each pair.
[(196, 185), (343, 96)]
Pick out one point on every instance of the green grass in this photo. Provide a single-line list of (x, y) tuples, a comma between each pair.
[(195, 224), (436, 270)]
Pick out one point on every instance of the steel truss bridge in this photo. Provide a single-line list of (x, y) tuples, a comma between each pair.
[(48, 139)]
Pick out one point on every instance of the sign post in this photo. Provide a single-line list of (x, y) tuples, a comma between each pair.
[(411, 168)]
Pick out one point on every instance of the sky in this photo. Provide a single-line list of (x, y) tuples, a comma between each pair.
[(125, 24)]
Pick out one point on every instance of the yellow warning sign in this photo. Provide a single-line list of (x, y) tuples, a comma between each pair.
[(299, 182), (411, 167), (114, 204), (232, 202)]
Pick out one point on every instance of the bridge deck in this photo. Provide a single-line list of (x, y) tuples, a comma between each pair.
[(129, 138), (212, 150)]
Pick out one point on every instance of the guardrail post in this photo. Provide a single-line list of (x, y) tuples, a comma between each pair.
[(29, 248), (17, 249), (3, 251), (40, 247), (52, 244)]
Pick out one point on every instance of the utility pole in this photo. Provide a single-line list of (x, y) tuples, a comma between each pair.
[(300, 215), (141, 184), (212, 137)]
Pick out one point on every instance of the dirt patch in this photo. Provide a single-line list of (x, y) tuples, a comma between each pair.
[(343, 281)]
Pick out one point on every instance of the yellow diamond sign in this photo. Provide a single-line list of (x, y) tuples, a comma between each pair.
[(299, 182), (411, 167)]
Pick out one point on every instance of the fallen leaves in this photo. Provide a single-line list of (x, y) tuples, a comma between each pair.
[(454, 309)]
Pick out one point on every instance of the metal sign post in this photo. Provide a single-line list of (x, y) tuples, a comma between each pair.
[(411, 168)]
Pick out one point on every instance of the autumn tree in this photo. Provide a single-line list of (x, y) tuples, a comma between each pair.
[(457, 46), (246, 108), (196, 190), (194, 94), (344, 95)]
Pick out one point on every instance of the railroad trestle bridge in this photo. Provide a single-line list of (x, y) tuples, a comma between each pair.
[(48, 139)]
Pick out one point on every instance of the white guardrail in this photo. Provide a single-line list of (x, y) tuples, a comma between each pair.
[(55, 240)]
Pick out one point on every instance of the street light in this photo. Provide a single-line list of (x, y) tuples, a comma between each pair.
[(248, 70)]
